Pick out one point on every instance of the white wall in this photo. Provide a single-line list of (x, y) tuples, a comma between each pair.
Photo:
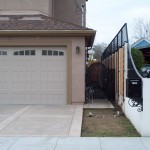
[(133, 115), (146, 108), (140, 120)]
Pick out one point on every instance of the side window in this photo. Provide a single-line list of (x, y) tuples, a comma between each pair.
[(3, 53), (25, 52)]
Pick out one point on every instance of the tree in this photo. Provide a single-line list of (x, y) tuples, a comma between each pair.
[(99, 49), (141, 28), (138, 58)]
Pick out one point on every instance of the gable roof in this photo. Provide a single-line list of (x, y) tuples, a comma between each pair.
[(142, 43), (35, 22)]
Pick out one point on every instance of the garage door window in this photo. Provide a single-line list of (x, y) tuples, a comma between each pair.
[(55, 53), (50, 53), (25, 52), (3, 53), (61, 53)]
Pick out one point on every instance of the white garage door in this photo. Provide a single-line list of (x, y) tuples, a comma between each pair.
[(32, 75)]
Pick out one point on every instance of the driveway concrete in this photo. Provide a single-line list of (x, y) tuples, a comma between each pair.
[(40, 120), (73, 143)]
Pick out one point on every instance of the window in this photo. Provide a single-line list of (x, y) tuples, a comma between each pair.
[(61, 53), (21, 52), (49, 52), (15, 53), (32, 52), (52, 53), (44, 52), (25, 52), (3, 53), (55, 53)]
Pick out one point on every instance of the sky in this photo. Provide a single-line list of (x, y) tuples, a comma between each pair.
[(108, 16)]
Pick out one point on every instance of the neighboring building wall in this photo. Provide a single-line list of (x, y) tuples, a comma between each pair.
[(45, 6), (69, 11)]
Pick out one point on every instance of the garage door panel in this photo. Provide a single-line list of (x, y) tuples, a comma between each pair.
[(33, 79)]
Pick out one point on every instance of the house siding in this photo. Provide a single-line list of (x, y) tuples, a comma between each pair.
[(67, 10), (45, 6), (64, 10)]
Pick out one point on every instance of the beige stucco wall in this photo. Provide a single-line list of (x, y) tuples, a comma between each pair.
[(78, 71), (75, 62), (65, 10), (68, 11), (44, 6)]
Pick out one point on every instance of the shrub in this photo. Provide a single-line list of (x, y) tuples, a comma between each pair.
[(138, 58)]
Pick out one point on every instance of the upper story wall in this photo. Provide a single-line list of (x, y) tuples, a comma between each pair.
[(45, 6), (65, 10), (69, 11)]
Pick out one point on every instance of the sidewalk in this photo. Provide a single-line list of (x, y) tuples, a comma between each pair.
[(73, 143)]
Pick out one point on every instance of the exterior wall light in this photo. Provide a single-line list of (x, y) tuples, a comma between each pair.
[(77, 50)]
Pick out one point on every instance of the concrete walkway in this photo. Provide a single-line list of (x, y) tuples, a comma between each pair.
[(99, 103), (40, 120), (73, 143)]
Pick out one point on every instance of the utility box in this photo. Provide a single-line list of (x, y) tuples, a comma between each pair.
[(134, 88)]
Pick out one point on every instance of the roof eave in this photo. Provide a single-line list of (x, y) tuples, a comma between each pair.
[(88, 34)]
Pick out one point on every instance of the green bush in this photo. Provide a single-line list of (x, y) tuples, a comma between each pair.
[(138, 58)]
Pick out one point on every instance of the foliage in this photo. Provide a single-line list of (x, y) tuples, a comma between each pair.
[(138, 58), (99, 49)]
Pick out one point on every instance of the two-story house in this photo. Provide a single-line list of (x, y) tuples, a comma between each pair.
[(42, 51)]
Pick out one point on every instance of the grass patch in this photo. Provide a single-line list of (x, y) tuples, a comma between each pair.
[(104, 124)]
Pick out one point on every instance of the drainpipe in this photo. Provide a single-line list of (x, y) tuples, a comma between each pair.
[(83, 14)]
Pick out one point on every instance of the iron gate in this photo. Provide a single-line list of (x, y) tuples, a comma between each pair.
[(94, 80)]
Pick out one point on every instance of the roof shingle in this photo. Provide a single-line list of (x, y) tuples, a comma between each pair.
[(35, 22)]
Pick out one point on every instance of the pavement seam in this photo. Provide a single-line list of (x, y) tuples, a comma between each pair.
[(143, 143), (100, 144), (56, 144), (13, 117), (72, 120), (13, 143)]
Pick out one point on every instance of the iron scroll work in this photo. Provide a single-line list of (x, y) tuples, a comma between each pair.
[(134, 81)]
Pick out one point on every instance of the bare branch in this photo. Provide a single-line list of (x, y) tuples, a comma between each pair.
[(99, 48), (141, 28)]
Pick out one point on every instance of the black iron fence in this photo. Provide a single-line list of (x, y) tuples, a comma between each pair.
[(119, 40)]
